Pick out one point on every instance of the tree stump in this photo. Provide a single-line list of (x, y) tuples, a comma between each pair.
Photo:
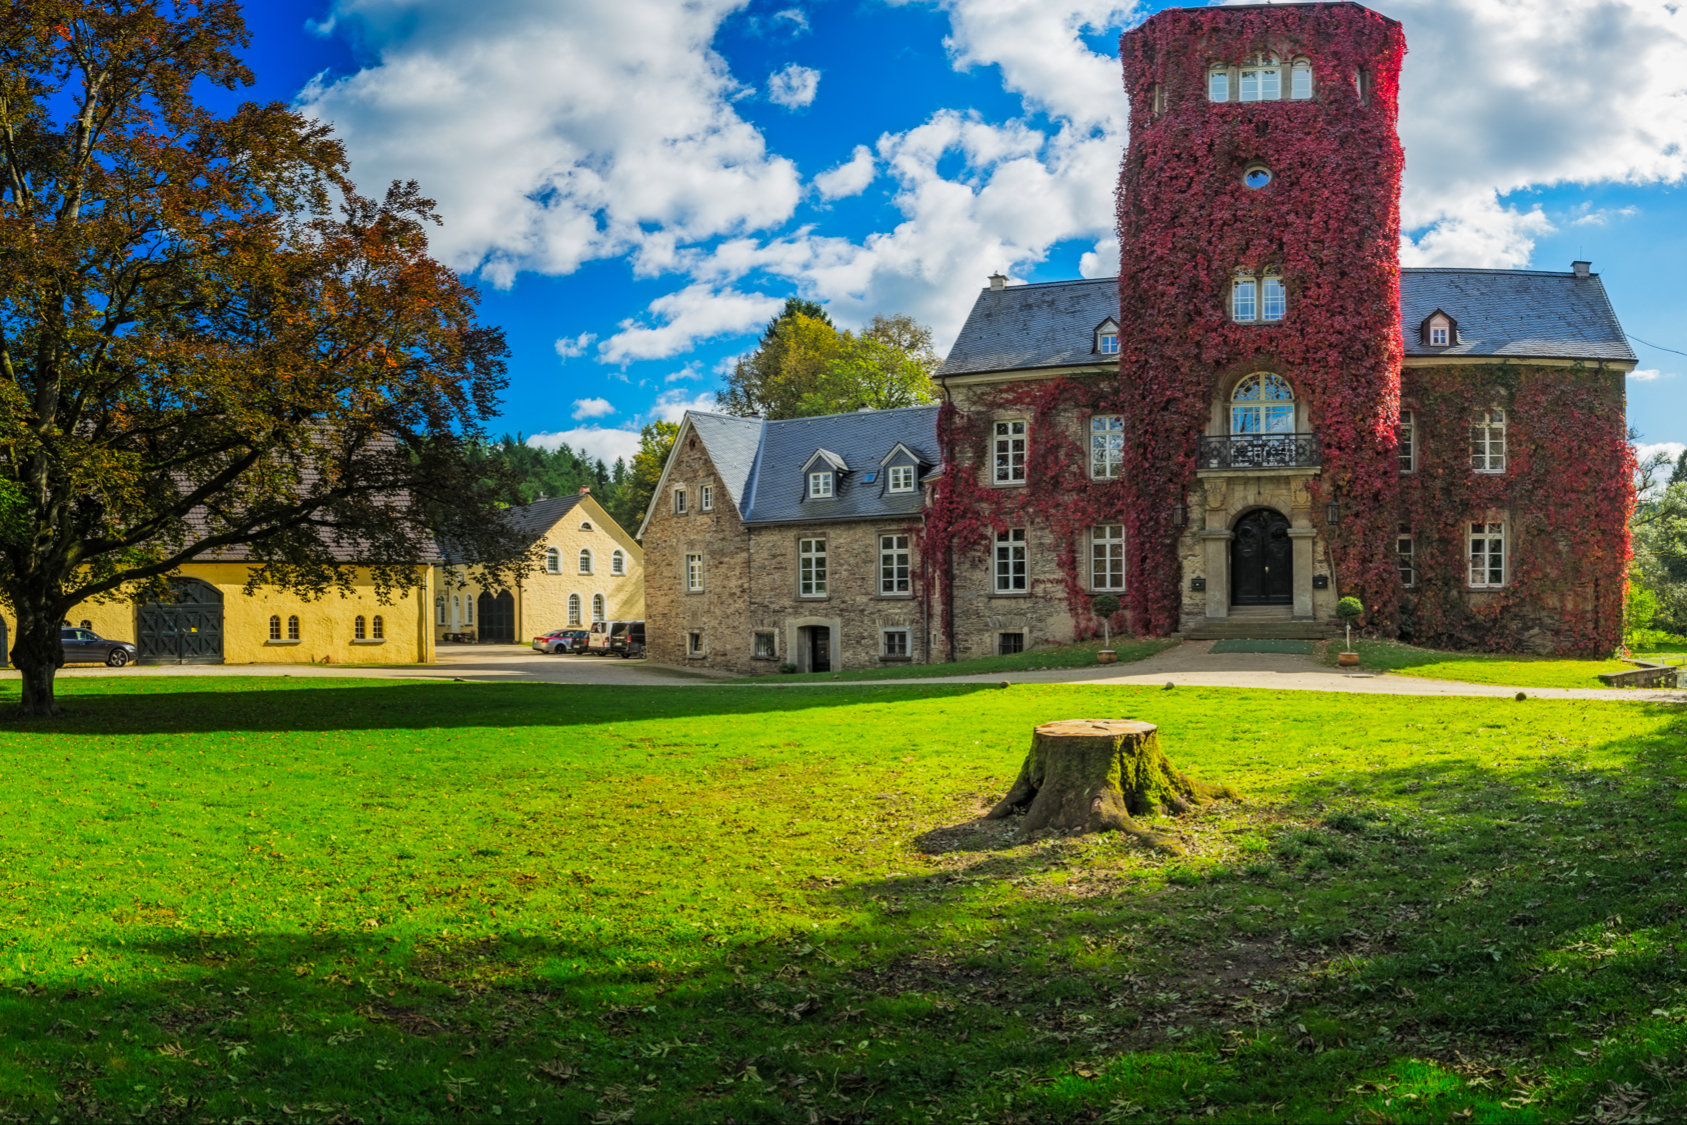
[(1097, 775)]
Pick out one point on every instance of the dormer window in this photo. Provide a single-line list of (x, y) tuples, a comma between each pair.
[(902, 478), (1438, 330), (1107, 338), (819, 486), (1438, 335)]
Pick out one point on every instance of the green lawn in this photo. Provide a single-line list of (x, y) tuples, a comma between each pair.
[(1080, 655), (1479, 668), (336, 899)]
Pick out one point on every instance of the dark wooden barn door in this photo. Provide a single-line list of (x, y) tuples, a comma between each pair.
[(187, 628), (1262, 560), (497, 618), (820, 648)]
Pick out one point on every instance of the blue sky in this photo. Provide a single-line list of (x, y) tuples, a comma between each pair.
[(635, 185)]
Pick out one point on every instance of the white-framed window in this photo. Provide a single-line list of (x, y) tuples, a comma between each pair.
[(1300, 81), (1258, 300), (1405, 553), (275, 627), (1244, 299), (1262, 80), (1107, 341), (819, 486), (1107, 556), (292, 628), (618, 562), (377, 628), (1437, 335), (1273, 301), (1487, 441), (586, 525), (597, 608), (585, 560), (574, 609), (1487, 554), (811, 568), (1107, 446), (553, 561), (765, 645), (1408, 447), (457, 607), (1007, 644), (679, 501), (694, 573), (1010, 451), (707, 497), (1010, 561), (359, 628), (1218, 84), (894, 567), (1262, 403), (895, 642), (439, 613), (468, 605), (694, 644), (902, 478)]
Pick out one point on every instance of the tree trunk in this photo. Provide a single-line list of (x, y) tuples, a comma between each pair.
[(1097, 775), (38, 654)]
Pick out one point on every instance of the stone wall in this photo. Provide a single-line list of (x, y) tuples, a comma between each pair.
[(672, 611)]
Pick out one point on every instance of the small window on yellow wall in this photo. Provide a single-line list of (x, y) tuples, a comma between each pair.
[(275, 628), (377, 629), (553, 561), (585, 561), (597, 607), (574, 609), (86, 624), (357, 629), (438, 605), (292, 628), (618, 563)]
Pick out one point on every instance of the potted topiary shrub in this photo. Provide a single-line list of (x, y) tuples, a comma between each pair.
[(1105, 607), (1349, 609)]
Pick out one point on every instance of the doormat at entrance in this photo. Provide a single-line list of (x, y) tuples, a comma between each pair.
[(1299, 648)]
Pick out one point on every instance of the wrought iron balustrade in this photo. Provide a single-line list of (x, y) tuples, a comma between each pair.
[(1259, 451)]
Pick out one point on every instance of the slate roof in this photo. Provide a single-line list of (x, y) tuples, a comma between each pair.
[(534, 519), (770, 469), (1525, 314)]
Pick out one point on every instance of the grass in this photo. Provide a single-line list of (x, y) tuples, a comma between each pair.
[(1479, 668), (1080, 655), (338, 899)]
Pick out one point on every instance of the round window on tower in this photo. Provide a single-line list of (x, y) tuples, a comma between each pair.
[(1257, 176)]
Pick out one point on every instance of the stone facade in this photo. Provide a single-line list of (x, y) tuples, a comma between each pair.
[(720, 611)]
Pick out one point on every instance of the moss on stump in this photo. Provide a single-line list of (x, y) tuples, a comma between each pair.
[(1098, 775)]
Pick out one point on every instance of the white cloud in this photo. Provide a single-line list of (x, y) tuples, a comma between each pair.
[(1645, 452), (848, 179), (793, 87), (795, 17), (572, 348), (672, 405), (551, 137), (694, 313), (689, 371), (1647, 375), (592, 408), (597, 441), (1103, 261)]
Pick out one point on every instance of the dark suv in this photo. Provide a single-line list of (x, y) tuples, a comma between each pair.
[(626, 638)]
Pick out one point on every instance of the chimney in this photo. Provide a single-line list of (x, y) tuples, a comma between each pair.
[(1583, 269), (998, 282), (863, 409), (585, 490)]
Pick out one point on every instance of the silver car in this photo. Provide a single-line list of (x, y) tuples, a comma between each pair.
[(84, 646)]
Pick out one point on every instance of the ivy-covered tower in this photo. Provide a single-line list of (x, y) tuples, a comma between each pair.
[(1259, 327)]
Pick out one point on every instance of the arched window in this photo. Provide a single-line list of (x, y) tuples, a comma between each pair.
[(585, 560), (1262, 80), (1218, 83), (1262, 404), (597, 607), (618, 563), (574, 609), (586, 526), (469, 607), (439, 608), (292, 628), (274, 628), (1300, 81), (86, 624), (553, 561), (378, 629), (358, 627)]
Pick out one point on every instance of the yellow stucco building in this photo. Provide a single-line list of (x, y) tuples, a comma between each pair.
[(590, 569)]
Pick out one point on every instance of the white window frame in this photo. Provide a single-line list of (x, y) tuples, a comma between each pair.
[(585, 560), (1260, 416), (679, 502), (811, 567), (1266, 73), (896, 565), (694, 643), (553, 560), (1438, 335), (1107, 342), (1300, 81), (905, 643), (820, 486), (1487, 441), (706, 498), (1218, 84), (694, 573), (1107, 446), (574, 611), (1408, 442), (600, 610), (618, 562), (1012, 573), (1406, 554), (1107, 557), (1273, 299), (772, 652), (1010, 446), (1244, 300), (902, 478), (1485, 540)]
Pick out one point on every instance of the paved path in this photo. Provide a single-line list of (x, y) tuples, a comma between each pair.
[(1189, 664)]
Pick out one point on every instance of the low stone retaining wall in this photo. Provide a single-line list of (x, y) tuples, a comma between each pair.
[(1646, 675)]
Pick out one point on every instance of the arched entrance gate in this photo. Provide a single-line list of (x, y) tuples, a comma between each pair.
[(186, 628)]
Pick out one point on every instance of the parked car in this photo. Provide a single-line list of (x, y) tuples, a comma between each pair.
[(84, 646), (604, 634), (561, 640), (626, 639)]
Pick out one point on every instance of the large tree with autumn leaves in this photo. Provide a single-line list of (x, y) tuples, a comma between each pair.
[(208, 337)]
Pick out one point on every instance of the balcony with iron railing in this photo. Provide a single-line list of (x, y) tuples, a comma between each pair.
[(1255, 452)]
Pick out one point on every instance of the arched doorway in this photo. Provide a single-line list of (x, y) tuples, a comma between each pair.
[(185, 628), (497, 618), (1262, 560)]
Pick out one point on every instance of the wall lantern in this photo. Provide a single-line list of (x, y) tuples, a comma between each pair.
[(1333, 514), (1180, 516)]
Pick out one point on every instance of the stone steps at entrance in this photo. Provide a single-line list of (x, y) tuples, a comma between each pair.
[(1257, 629)]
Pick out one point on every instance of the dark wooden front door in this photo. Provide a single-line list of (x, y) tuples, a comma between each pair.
[(1262, 560), (819, 648), (186, 628), (497, 618)]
